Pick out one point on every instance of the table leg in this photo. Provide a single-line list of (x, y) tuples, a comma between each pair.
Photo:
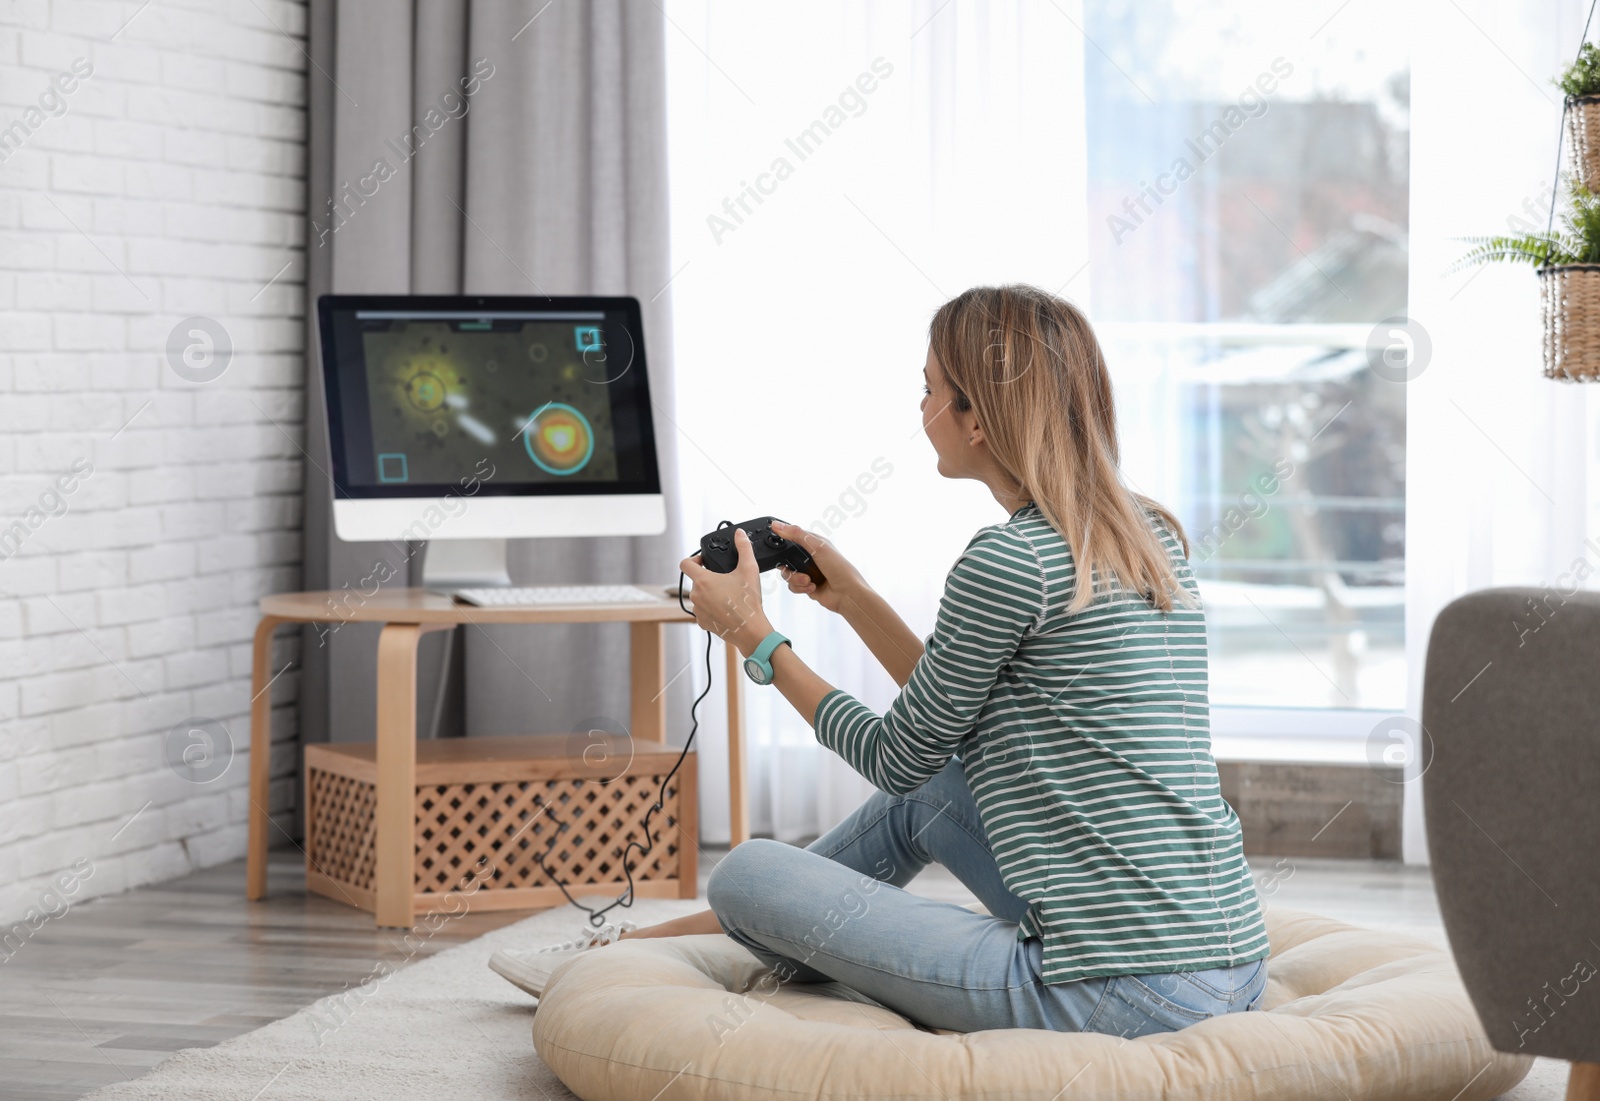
[(688, 828), (1583, 1082), (259, 818), (649, 681), (394, 869), (738, 806)]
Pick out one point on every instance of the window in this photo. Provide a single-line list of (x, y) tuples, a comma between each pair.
[(1248, 261), (839, 171)]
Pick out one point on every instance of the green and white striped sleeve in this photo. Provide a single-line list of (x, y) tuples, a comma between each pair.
[(993, 597)]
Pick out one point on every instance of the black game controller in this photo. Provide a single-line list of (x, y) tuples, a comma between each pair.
[(720, 555)]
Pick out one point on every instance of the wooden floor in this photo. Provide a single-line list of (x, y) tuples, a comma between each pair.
[(114, 986)]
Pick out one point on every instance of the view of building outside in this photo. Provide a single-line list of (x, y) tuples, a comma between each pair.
[(1248, 174)]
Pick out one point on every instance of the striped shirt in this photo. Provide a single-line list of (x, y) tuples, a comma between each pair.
[(1086, 741)]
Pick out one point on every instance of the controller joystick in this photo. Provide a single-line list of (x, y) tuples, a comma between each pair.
[(718, 553)]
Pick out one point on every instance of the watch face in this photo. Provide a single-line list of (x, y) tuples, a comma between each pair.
[(754, 671)]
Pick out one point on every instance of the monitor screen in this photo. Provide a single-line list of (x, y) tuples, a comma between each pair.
[(525, 396)]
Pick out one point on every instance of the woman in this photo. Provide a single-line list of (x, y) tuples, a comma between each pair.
[(1050, 744)]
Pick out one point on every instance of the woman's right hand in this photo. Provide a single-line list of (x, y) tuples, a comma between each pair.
[(841, 580)]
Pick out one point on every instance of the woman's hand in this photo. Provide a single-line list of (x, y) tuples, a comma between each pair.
[(729, 604), (843, 581)]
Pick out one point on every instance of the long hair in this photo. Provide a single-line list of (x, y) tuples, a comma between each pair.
[(1030, 365)]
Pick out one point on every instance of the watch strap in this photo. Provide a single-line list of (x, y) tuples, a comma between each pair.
[(763, 652)]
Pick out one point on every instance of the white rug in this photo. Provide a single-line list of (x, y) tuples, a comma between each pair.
[(1547, 1081), (445, 1027)]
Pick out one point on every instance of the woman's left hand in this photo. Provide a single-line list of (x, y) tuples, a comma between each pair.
[(729, 604)]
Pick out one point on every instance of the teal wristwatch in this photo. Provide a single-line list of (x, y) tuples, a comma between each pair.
[(757, 666)]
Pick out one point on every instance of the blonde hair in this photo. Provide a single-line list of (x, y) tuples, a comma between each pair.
[(1030, 365)]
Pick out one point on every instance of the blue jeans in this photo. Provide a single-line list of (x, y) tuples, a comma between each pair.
[(835, 911)]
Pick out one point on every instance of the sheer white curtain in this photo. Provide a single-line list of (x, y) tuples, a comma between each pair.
[(1499, 463), (838, 170)]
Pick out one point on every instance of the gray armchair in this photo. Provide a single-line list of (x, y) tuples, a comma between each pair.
[(1511, 704)]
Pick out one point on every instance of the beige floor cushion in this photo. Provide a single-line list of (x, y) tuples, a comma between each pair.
[(1350, 1013)]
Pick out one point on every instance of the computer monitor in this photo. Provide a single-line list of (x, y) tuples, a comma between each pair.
[(466, 421)]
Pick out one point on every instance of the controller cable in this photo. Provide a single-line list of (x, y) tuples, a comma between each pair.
[(597, 917)]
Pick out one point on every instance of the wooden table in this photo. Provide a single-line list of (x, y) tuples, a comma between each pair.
[(407, 615)]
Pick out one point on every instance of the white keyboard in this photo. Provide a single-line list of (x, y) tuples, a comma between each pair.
[(557, 594)]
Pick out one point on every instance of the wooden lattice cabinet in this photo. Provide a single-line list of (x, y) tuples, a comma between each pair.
[(489, 817)]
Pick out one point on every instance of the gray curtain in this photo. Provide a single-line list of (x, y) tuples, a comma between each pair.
[(551, 179)]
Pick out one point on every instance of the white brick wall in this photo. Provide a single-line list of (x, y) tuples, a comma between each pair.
[(170, 185)]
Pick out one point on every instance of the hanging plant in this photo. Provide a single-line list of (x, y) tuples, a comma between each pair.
[(1567, 260), (1581, 83), (1568, 265), (1577, 242)]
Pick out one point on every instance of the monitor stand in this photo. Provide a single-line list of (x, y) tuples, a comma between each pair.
[(449, 564)]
